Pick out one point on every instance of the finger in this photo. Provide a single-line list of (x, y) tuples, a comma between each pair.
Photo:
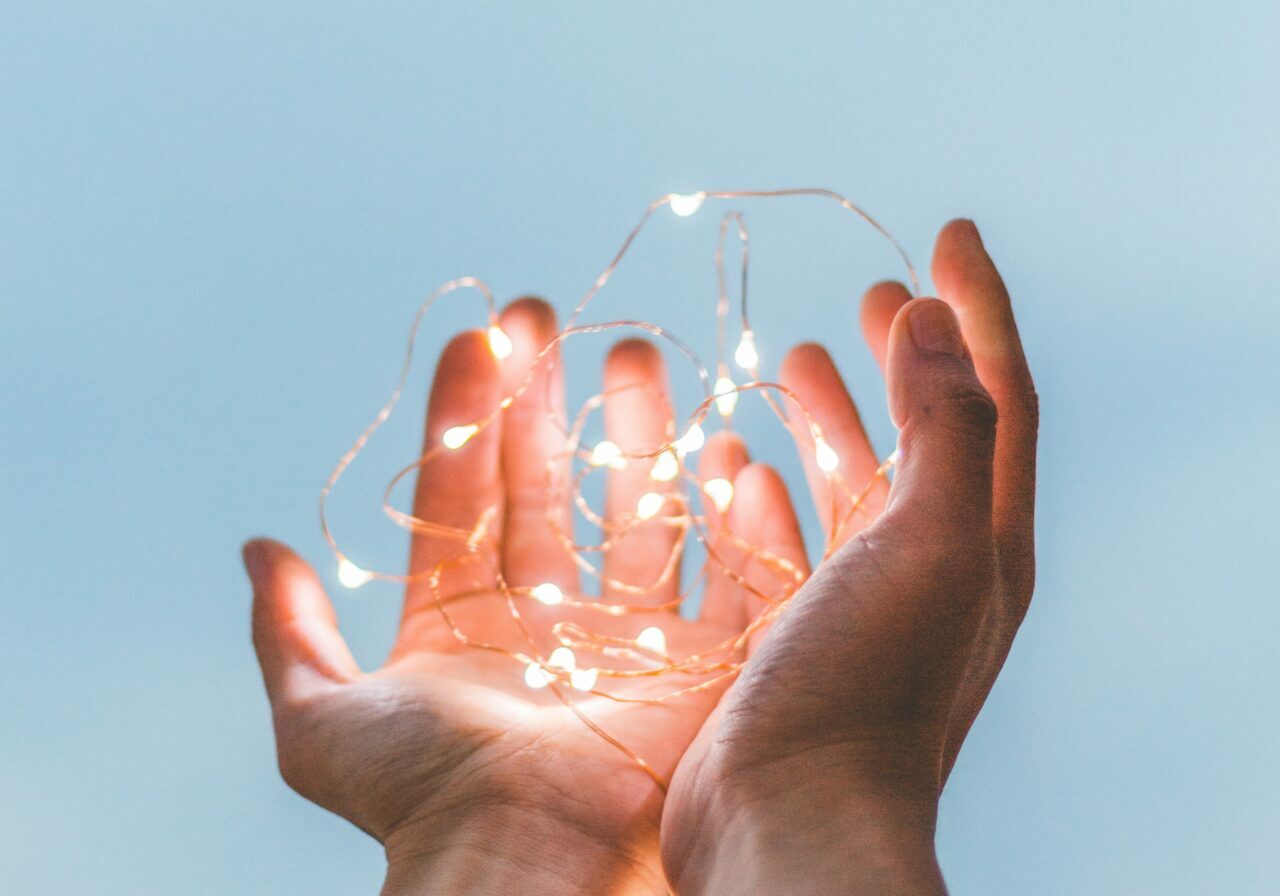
[(880, 306), (638, 419), (763, 516), (722, 457), (968, 281), (295, 631), (809, 372), (534, 463), (461, 486), (947, 423)]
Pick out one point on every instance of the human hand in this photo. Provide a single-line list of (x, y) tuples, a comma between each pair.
[(474, 782), (820, 770)]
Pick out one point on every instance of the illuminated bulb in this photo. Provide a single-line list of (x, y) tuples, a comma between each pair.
[(499, 342), (653, 640), (547, 593), (745, 355), (583, 679), (350, 575), (607, 453), (456, 436), (720, 491), (726, 396), (665, 468), (562, 658), (825, 455), (649, 505), (685, 204), (537, 677), (691, 441)]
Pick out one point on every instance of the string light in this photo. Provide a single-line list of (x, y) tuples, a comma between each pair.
[(693, 439), (653, 639), (548, 594), (825, 456), (726, 396), (456, 436), (537, 677), (720, 491), (499, 342), (745, 355), (562, 624), (685, 204), (665, 468), (649, 505), (607, 454), (352, 576)]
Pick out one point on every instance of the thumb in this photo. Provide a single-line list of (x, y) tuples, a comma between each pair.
[(946, 418), (295, 631)]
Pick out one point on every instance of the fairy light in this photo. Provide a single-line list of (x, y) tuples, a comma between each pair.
[(665, 468), (685, 204), (547, 594), (745, 355), (720, 491), (726, 393), (620, 669), (693, 439), (607, 454), (537, 677), (649, 505), (352, 576), (456, 436), (824, 455), (653, 639), (584, 679), (499, 342)]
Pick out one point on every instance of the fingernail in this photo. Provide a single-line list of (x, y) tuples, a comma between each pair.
[(934, 328)]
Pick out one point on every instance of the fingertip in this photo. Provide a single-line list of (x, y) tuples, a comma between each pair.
[(634, 357), (529, 320), (880, 305), (805, 362), (725, 451)]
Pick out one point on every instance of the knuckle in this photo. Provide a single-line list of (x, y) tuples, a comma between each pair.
[(972, 409)]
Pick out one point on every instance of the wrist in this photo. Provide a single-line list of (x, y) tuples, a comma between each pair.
[(513, 849), (812, 842)]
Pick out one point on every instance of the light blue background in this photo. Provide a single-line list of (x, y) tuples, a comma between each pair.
[(215, 223)]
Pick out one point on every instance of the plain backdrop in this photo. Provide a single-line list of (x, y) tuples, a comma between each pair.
[(216, 221)]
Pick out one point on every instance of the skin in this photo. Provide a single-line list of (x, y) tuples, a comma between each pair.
[(819, 770)]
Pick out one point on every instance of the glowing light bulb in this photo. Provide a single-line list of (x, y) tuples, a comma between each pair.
[(720, 491), (726, 396), (649, 505), (745, 355), (652, 639), (537, 677), (456, 436), (583, 679), (607, 454), (562, 658), (350, 575), (685, 204), (665, 468), (547, 593), (693, 439), (825, 455), (499, 342)]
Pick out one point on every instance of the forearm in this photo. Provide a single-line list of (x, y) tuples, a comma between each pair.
[(510, 851)]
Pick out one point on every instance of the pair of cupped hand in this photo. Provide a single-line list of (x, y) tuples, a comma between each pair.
[(819, 770)]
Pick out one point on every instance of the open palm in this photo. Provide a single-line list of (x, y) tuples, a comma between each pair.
[(446, 744)]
